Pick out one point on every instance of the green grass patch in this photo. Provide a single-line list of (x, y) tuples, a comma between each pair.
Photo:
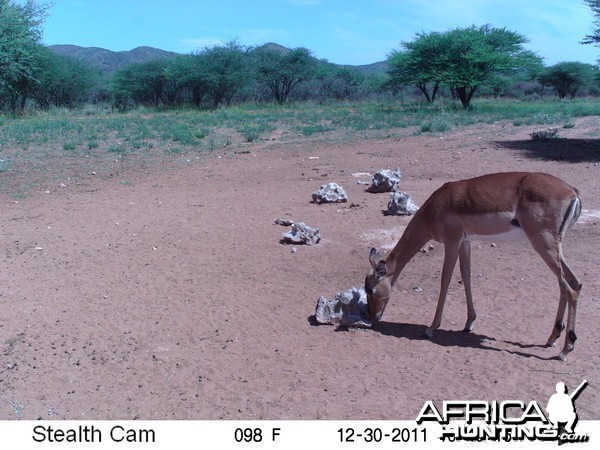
[(119, 149), (69, 146), (437, 124)]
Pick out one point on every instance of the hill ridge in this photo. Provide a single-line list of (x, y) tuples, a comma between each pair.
[(110, 61)]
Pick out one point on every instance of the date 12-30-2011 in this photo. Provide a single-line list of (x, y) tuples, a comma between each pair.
[(380, 435)]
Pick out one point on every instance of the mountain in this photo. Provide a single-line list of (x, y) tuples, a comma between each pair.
[(380, 67), (107, 60), (275, 47)]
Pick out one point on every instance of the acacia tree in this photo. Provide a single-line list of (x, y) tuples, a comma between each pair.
[(342, 83), (593, 38), (282, 70), (462, 59), (225, 70), (568, 78), (190, 75), (144, 83), (62, 81), (20, 34), (418, 64)]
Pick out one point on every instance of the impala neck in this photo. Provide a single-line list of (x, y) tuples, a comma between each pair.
[(412, 240)]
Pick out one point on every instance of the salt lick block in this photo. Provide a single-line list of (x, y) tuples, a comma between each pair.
[(385, 180), (301, 234), (330, 193), (400, 204), (348, 308)]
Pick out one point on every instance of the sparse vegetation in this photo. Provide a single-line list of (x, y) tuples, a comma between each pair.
[(33, 145), (544, 135), (182, 106)]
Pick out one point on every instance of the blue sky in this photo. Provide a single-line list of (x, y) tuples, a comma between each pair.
[(341, 31)]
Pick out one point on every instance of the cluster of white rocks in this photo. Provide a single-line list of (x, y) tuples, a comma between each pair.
[(348, 308)]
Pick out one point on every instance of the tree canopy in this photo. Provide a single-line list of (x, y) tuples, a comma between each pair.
[(225, 70), (462, 59), (569, 78), (282, 70), (20, 34), (420, 64), (61, 81), (593, 38), (143, 83)]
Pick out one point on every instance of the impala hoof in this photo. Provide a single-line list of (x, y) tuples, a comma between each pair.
[(428, 333), (562, 356)]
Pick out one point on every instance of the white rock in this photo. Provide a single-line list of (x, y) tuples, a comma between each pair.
[(385, 180), (400, 204), (301, 234), (330, 193), (348, 308)]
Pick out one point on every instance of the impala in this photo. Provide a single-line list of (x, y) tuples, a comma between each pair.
[(499, 206)]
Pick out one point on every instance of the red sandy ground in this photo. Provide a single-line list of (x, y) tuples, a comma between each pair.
[(166, 294)]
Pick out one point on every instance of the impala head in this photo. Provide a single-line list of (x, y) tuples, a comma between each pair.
[(378, 286)]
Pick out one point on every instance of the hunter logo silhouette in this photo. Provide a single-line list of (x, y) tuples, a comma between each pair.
[(561, 407)]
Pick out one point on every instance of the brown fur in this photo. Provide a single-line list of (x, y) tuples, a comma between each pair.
[(544, 207)]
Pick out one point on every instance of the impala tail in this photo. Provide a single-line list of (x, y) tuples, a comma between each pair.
[(572, 215)]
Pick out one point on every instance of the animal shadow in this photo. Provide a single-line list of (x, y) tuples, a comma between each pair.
[(444, 338), (448, 338), (530, 355)]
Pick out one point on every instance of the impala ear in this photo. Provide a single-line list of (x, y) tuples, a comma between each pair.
[(381, 269), (374, 257), (379, 266)]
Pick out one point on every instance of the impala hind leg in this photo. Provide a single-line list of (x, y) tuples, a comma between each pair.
[(551, 252), (575, 285), (559, 324), (464, 256), (573, 289)]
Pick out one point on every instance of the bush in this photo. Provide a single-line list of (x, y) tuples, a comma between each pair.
[(437, 124)]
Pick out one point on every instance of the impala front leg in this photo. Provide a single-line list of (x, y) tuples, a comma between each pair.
[(465, 273), (450, 257)]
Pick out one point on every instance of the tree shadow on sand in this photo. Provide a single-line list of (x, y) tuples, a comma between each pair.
[(557, 149)]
